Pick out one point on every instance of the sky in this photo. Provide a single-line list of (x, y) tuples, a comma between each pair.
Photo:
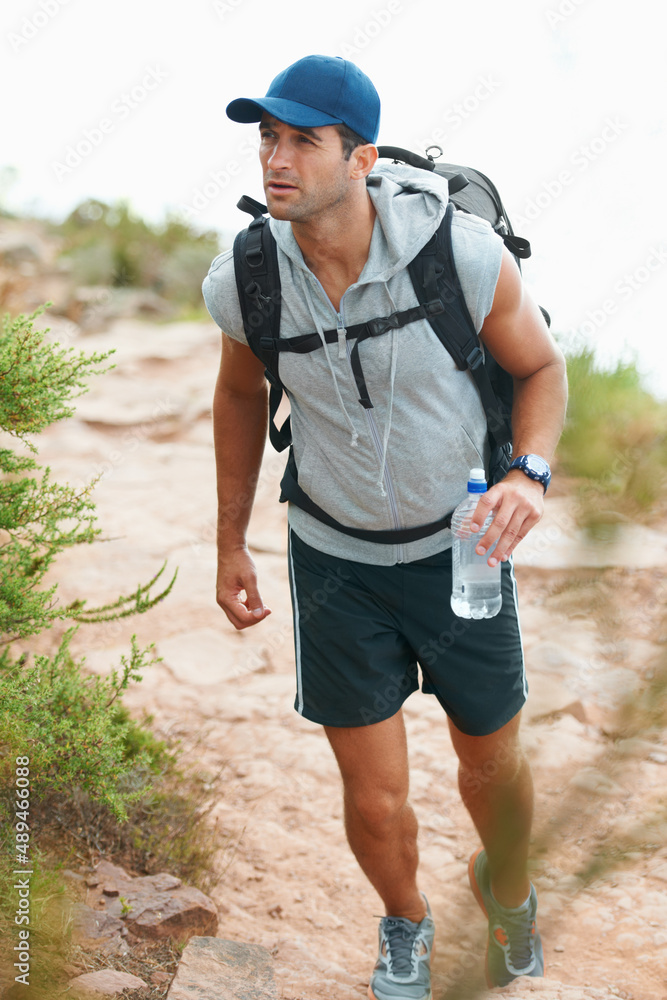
[(560, 102)]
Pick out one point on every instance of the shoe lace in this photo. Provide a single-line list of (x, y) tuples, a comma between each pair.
[(521, 936), (400, 944)]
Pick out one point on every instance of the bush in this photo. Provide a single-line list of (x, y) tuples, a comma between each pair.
[(109, 245), (614, 442), (61, 719), (68, 725)]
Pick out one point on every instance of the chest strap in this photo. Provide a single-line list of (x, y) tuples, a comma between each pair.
[(290, 490), (307, 342)]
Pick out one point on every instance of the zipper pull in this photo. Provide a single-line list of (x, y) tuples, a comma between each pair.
[(342, 341)]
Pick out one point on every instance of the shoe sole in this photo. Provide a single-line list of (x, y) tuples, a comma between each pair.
[(477, 893), (371, 995)]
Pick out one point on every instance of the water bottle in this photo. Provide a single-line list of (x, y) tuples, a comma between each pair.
[(475, 584)]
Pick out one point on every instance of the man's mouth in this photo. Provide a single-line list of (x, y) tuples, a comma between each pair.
[(280, 187)]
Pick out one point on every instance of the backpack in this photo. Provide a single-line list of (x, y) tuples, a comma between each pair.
[(436, 284)]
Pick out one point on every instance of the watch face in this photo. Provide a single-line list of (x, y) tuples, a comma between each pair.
[(537, 465)]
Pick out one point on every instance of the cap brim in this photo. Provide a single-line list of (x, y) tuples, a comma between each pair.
[(245, 109)]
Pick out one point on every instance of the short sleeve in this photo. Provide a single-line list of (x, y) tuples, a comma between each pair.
[(478, 255), (221, 296)]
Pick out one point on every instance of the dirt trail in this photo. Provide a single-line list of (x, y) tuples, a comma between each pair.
[(290, 881)]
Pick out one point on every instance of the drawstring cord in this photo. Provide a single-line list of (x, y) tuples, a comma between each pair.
[(313, 312), (390, 405)]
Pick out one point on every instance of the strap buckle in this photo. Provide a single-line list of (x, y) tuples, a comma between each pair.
[(376, 327), (475, 359)]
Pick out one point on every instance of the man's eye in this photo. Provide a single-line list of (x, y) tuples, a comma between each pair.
[(304, 138)]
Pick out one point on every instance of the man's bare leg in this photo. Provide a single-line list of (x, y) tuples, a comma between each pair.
[(497, 789), (380, 824)]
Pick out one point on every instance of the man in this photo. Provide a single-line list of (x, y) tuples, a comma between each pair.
[(346, 229)]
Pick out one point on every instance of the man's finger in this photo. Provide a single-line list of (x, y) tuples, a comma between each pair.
[(481, 512), (241, 610)]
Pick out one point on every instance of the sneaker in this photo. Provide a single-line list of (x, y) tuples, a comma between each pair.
[(514, 947), (403, 969)]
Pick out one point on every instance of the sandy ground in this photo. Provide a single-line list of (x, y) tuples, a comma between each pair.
[(290, 881)]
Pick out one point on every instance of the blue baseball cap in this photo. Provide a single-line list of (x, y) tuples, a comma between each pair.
[(317, 90)]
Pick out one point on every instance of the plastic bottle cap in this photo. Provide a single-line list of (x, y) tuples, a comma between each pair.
[(477, 481)]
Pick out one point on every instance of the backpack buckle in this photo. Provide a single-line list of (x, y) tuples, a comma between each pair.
[(376, 327), (434, 307), (475, 359)]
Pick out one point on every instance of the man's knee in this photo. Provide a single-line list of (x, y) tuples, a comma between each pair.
[(491, 762), (377, 807)]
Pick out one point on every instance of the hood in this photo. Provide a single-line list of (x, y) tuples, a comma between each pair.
[(409, 203)]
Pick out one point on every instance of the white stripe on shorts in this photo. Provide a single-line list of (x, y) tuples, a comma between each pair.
[(297, 634), (518, 623)]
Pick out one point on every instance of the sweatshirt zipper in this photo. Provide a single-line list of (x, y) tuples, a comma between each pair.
[(372, 423), (375, 434)]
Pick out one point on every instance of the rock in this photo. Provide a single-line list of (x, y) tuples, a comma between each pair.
[(659, 871), (106, 983), (20, 248), (155, 906), (577, 710), (226, 970), (98, 928), (556, 543), (589, 779), (634, 747), (203, 656), (552, 989), (71, 876), (95, 306), (547, 696), (159, 978)]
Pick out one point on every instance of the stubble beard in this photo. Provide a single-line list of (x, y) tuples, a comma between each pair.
[(311, 207)]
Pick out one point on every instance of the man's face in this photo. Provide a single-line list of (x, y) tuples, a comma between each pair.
[(305, 174)]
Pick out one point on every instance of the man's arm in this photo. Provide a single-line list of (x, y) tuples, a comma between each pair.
[(518, 337), (240, 415)]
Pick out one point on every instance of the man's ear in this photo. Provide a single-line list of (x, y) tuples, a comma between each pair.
[(362, 161)]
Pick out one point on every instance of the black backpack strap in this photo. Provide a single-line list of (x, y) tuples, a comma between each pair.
[(258, 286), (307, 342), (290, 490), (433, 274)]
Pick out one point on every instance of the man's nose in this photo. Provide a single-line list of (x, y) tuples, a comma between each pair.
[(279, 157)]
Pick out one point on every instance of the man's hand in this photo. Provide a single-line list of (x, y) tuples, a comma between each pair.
[(236, 589), (519, 504)]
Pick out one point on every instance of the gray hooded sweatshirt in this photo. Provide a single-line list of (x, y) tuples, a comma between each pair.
[(406, 461)]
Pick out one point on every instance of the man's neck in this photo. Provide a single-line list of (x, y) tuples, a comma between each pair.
[(337, 246)]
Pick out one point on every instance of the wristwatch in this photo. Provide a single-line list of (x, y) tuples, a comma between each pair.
[(534, 467)]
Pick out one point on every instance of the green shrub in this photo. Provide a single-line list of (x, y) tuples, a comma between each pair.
[(40, 518), (110, 245), (614, 441), (70, 726), (61, 719)]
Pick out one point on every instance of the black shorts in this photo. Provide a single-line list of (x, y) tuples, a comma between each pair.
[(362, 634)]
